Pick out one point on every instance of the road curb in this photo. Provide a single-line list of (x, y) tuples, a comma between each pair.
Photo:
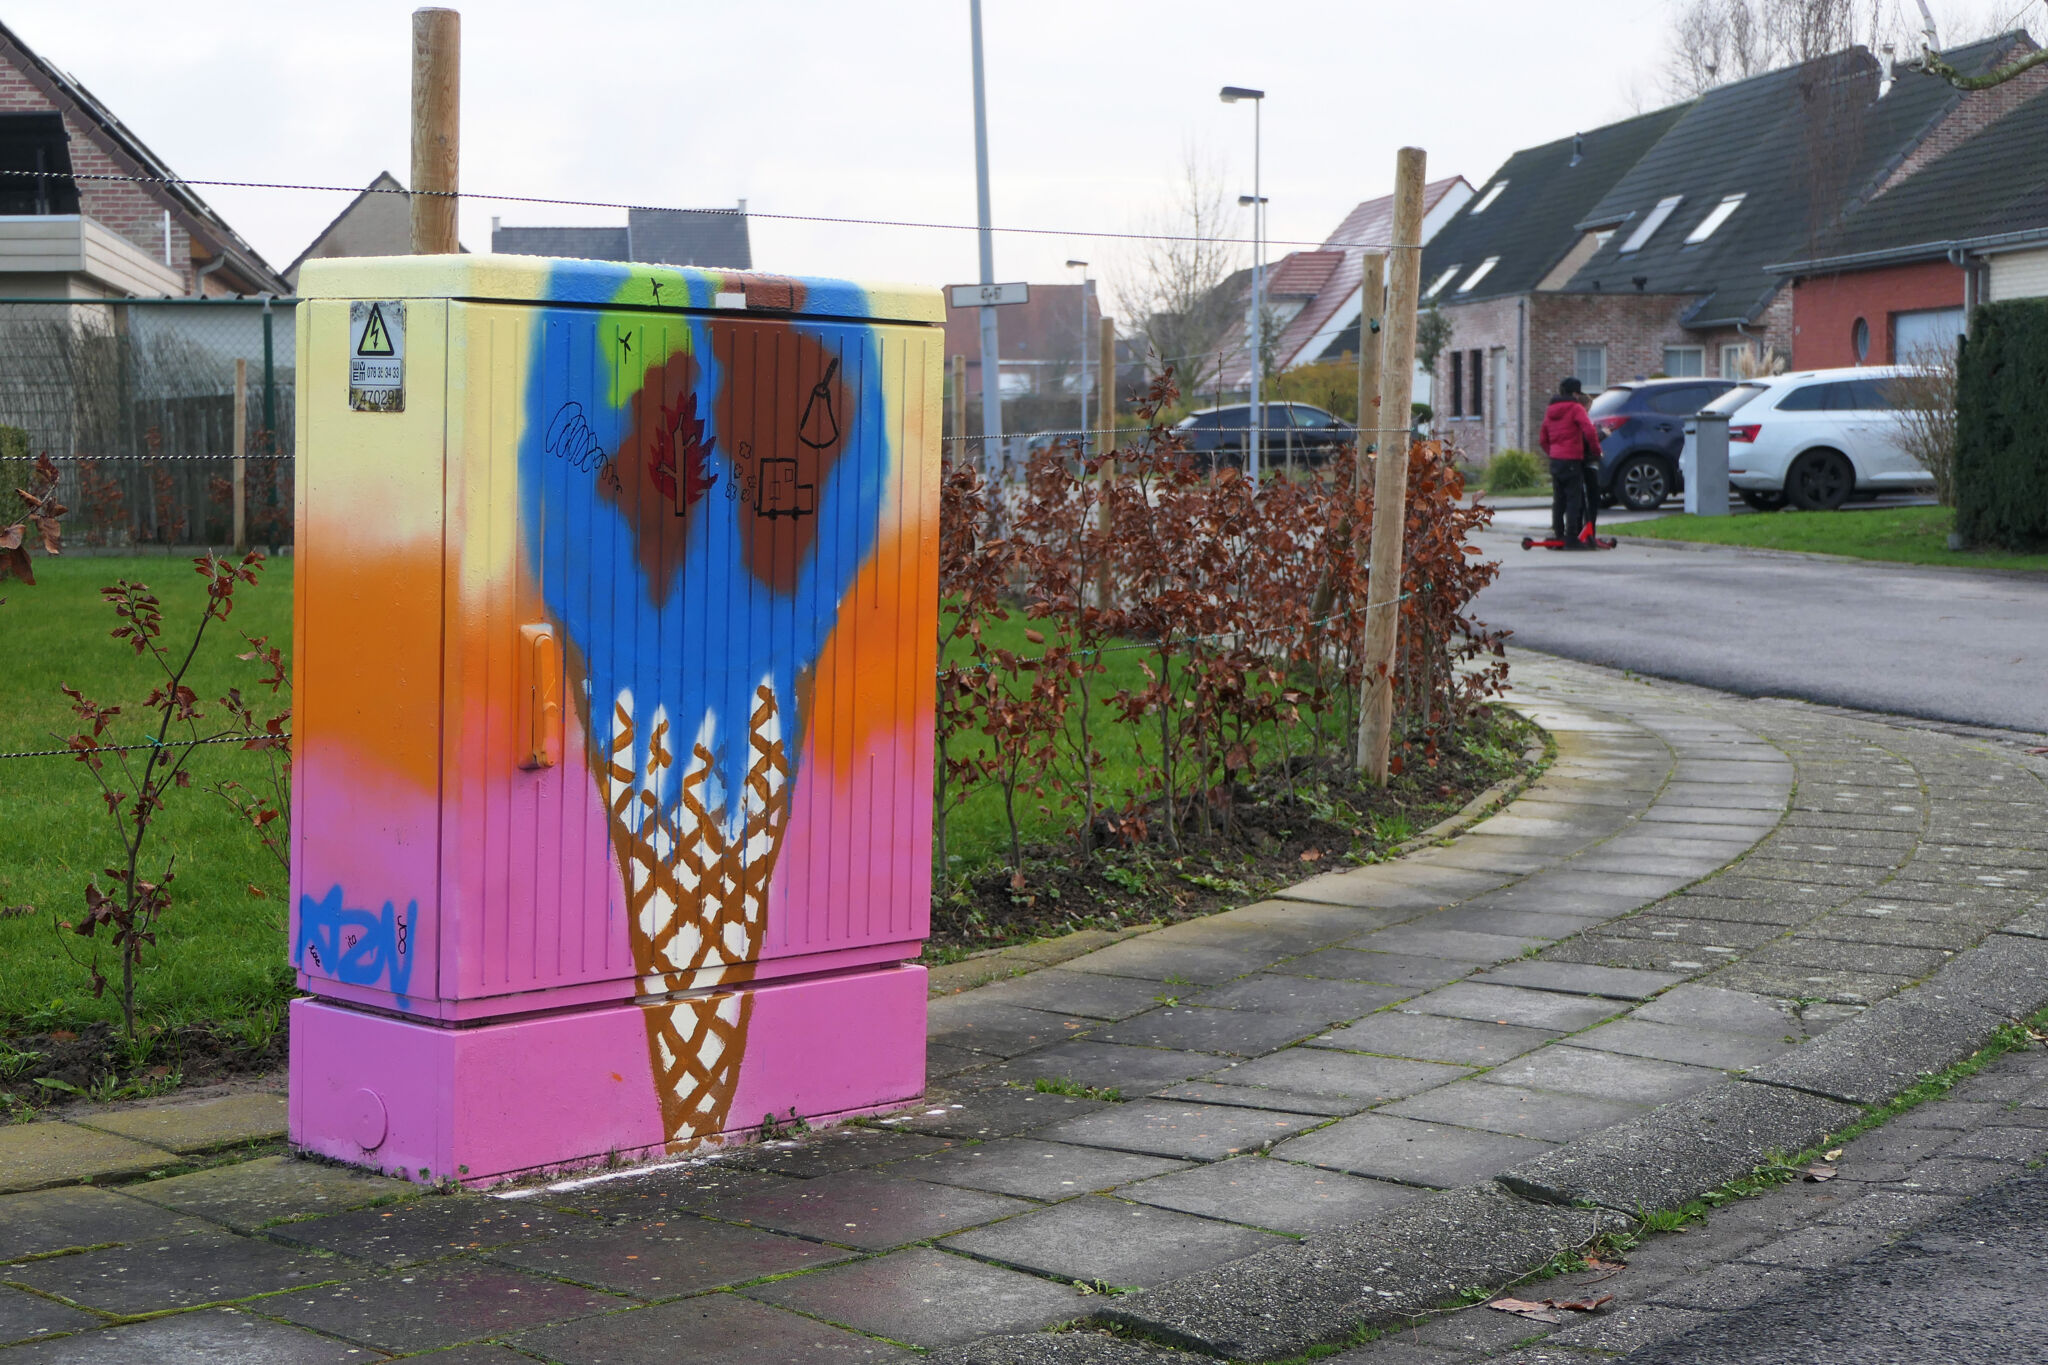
[(1285, 1301)]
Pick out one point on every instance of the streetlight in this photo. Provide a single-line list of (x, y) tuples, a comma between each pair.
[(1083, 266), (1231, 94)]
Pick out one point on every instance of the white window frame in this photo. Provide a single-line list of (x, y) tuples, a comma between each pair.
[(1481, 273), (1719, 215), (1485, 201), (1738, 351), (1651, 222), (1580, 369), (1698, 357), (1441, 281)]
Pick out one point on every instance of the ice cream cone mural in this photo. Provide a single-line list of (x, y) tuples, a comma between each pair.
[(688, 550)]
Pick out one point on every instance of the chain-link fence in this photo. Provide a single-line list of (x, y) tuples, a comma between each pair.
[(135, 401)]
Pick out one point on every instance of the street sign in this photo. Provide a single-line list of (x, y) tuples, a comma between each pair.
[(984, 295)]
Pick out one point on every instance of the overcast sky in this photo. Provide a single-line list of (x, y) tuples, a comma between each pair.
[(862, 109)]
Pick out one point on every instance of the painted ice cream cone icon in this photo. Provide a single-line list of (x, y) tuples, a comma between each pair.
[(818, 428)]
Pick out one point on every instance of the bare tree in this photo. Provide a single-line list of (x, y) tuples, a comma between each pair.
[(1714, 42), (1172, 292), (1931, 60)]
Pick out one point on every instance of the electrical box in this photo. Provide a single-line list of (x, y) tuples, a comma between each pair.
[(615, 625)]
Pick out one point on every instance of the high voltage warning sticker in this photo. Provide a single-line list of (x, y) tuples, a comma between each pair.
[(376, 356)]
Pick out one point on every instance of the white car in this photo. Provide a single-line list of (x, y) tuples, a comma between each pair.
[(1815, 437)]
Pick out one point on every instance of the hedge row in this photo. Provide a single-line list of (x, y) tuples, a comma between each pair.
[(2001, 471)]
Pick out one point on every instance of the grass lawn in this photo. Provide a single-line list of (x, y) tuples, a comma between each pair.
[(221, 946), (1902, 535)]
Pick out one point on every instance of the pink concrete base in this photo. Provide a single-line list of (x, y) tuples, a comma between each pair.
[(569, 1090)]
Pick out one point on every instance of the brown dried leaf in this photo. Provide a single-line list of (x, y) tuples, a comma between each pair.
[(1309, 855), (1525, 1308), (1591, 1304), (1816, 1174), (257, 892)]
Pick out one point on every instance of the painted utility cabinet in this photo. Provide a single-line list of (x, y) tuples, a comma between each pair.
[(616, 610)]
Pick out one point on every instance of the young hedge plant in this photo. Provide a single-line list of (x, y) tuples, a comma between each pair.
[(2001, 467)]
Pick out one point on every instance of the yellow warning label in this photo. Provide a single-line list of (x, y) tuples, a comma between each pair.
[(376, 338)]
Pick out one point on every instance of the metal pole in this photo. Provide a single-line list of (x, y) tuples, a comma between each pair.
[(269, 383), (1105, 416), (1258, 450), (241, 416), (1084, 362), (991, 349), (959, 398), (1390, 474), (436, 129)]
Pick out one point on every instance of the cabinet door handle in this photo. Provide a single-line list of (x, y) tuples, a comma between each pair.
[(539, 738)]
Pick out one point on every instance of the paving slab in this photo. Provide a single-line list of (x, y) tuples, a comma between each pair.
[(985, 1025), (1001, 1111), (34, 1156), (943, 1060), (1514, 1110), (1090, 994), (1132, 1071), (1423, 938), (1155, 957), (43, 1221), (1099, 1240), (1393, 969), (1194, 1028), (443, 1305), (840, 1149), (720, 1327), (1409, 1151), (1063, 1348), (667, 1258), (24, 1317), (1681, 1043), (926, 1298), (251, 1194), (1259, 1097), (1506, 923), (1034, 1169), (1603, 1075), (1628, 1328), (1325, 1071), (1473, 999), (1171, 1128), (867, 1209), (221, 1335), (202, 1126), (1868, 1059), (424, 1229), (1432, 1038), (182, 1272), (1574, 979), (1263, 1192), (1335, 1001)]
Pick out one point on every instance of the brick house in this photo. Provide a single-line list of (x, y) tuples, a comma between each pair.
[(1665, 268), (93, 238), (377, 222), (718, 238), (1903, 270)]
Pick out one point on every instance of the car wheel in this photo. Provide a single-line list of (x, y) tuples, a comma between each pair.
[(1820, 481), (1643, 482), (1763, 499)]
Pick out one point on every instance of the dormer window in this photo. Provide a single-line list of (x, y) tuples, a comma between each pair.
[(1476, 276), (1714, 220), (1441, 281), (1651, 223), (1486, 199)]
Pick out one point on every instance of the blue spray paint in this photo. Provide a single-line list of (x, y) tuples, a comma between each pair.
[(356, 947)]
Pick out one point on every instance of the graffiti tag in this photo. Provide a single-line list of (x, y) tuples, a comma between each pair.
[(571, 441), (356, 947)]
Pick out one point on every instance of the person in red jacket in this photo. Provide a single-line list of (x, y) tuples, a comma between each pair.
[(1566, 435)]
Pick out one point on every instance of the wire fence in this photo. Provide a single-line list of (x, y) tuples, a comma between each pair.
[(135, 400)]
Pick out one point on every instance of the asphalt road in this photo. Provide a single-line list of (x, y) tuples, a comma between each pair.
[(1940, 644), (1961, 1291)]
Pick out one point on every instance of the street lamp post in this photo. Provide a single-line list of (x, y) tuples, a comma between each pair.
[(1083, 266), (1231, 94)]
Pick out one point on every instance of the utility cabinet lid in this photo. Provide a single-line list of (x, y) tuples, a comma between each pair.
[(614, 284)]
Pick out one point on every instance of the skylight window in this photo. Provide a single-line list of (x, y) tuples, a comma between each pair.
[(1441, 281), (1486, 199), (1476, 276), (1713, 220), (1651, 223)]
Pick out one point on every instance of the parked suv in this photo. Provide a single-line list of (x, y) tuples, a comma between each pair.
[(1813, 438), (1220, 433), (1642, 433)]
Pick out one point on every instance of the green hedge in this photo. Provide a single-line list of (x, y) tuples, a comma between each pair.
[(2001, 474)]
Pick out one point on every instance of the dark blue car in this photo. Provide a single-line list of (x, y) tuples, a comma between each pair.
[(1642, 431)]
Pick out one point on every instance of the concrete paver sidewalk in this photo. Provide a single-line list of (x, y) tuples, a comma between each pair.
[(1697, 887)]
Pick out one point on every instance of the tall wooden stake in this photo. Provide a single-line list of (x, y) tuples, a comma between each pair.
[(1390, 471), (241, 456), (1106, 446), (436, 129)]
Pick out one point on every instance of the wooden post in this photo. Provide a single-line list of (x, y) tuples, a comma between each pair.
[(241, 401), (959, 402), (1390, 470), (1106, 445), (436, 129)]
